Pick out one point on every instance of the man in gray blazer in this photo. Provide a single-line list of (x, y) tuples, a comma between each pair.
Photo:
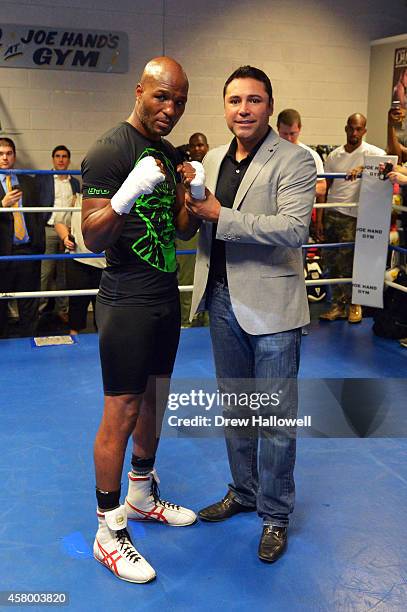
[(249, 275)]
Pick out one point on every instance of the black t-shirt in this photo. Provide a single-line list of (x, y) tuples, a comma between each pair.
[(141, 264)]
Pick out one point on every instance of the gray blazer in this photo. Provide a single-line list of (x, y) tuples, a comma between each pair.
[(263, 233)]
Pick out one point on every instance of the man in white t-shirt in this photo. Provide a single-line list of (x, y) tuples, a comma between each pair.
[(289, 127), (339, 224)]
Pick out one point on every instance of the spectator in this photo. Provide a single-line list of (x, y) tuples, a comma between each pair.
[(197, 149), (56, 190), (80, 273), (397, 145), (400, 89), (289, 127), (339, 224), (20, 234)]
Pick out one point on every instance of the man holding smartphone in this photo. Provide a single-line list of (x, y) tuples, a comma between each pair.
[(20, 234)]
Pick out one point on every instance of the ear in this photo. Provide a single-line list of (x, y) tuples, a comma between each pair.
[(271, 107), (139, 90)]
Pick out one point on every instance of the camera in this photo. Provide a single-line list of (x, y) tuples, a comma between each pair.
[(384, 170)]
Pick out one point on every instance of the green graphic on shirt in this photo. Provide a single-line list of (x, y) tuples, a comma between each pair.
[(156, 246)]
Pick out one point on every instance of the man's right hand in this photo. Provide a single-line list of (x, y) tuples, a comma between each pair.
[(396, 116), (141, 180), (11, 198)]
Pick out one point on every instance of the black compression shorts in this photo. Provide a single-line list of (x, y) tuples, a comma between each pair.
[(136, 342)]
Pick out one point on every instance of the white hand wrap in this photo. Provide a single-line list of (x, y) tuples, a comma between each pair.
[(198, 183), (141, 180)]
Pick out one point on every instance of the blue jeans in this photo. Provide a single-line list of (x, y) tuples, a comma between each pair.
[(261, 461)]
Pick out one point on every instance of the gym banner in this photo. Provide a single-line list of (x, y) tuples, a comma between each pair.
[(25, 46), (372, 231)]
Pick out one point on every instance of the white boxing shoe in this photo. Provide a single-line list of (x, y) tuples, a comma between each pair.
[(113, 547), (143, 503)]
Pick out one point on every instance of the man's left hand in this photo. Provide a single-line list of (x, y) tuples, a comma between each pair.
[(208, 209)]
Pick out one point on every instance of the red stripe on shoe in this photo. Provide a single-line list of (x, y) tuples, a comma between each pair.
[(152, 515), (108, 558)]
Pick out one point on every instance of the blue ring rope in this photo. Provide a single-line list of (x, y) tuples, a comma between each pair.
[(94, 255), (332, 175)]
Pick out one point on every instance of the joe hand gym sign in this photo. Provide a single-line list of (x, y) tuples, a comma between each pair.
[(63, 49)]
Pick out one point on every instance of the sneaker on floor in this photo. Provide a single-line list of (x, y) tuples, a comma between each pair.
[(337, 311), (355, 313), (143, 503), (114, 549)]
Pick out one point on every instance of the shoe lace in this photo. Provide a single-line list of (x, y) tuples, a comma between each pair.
[(155, 492), (275, 531), (126, 546)]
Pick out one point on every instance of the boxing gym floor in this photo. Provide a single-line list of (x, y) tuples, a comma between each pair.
[(347, 546)]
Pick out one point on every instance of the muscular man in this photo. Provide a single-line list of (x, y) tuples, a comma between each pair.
[(20, 234), (249, 275), (130, 209), (339, 224)]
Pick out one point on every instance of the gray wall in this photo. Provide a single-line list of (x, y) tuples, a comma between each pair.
[(381, 87), (316, 52)]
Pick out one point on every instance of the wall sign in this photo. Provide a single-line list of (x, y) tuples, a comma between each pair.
[(24, 46)]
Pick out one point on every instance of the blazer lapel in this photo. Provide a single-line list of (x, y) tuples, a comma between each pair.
[(262, 156), (213, 168)]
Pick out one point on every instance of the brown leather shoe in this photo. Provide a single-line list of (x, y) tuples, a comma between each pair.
[(355, 313), (273, 543), (337, 311), (227, 507)]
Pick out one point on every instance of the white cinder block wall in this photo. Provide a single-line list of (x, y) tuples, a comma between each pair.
[(315, 51)]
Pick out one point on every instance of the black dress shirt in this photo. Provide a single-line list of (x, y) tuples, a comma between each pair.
[(231, 174)]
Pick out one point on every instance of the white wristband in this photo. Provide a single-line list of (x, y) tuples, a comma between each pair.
[(141, 180), (197, 186)]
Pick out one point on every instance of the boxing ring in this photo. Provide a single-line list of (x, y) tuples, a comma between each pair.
[(184, 288), (347, 545)]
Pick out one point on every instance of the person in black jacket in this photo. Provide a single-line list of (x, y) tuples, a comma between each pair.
[(20, 234)]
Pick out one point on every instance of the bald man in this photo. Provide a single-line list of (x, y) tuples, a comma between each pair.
[(132, 205), (198, 146), (339, 224)]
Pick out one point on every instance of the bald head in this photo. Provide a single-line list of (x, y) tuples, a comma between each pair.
[(161, 96), (163, 68), (198, 146), (357, 117), (355, 130)]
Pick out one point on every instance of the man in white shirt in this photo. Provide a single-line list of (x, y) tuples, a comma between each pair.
[(339, 224), (56, 190), (289, 127)]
